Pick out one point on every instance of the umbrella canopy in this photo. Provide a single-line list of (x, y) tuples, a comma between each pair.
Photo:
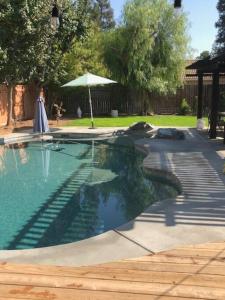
[(89, 80), (41, 121)]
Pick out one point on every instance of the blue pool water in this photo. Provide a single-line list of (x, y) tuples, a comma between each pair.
[(59, 192)]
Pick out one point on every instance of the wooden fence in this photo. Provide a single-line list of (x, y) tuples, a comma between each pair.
[(104, 100), (128, 102), (23, 103)]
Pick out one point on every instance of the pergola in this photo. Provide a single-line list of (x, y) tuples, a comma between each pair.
[(214, 67)]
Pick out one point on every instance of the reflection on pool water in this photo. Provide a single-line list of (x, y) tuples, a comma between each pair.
[(59, 192)]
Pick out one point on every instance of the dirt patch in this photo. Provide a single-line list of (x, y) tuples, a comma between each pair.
[(28, 124)]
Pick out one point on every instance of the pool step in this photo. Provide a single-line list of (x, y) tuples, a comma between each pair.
[(80, 230), (85, 224)]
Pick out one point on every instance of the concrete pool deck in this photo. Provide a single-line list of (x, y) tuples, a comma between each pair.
[(28, 134), (196, 216)]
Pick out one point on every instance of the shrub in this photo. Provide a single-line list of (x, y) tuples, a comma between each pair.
[(184, 108), (222, 102)]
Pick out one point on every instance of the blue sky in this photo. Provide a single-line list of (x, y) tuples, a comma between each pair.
[(202, 15)]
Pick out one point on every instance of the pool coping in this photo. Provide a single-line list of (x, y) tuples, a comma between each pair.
[(127, 241), (82, 131)]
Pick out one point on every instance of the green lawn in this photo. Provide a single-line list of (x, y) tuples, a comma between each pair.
[(157, 120)]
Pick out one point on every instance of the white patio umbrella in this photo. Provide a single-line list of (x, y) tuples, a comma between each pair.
[(89, 80)]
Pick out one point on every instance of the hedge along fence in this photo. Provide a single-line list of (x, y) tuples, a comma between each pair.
[(128, 101)]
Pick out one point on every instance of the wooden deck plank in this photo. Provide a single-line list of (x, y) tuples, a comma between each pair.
[(12, 298), (37, 293), (209, 245), (195, 252), (168, 267), (120, 277), (135, 266), (119, 267), (179, 288), (169, 258), (193, 272), (143, 263)]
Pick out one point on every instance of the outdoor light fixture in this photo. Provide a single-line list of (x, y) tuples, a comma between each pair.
[(55, 16), (177, 3)]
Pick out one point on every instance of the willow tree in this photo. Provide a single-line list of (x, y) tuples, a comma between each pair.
[(31, 49), (147, 51)]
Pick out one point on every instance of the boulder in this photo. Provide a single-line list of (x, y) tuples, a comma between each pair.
[(141, 126), (170, 133)]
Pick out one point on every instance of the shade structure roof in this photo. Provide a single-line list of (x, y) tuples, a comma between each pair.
[(209, 65), (89, 79), (215, 67)]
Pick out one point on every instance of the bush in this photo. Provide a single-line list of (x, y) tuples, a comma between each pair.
[(184, 108), (222, 102)]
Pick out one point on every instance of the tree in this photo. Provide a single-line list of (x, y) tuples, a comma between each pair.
[(219, 46), (204, 54), (31, 49), (147, 51), (103, 13), (85, 56)]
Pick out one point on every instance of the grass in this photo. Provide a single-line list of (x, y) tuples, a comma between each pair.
[(157, 120)]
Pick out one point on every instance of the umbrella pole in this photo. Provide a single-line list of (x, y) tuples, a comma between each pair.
[(92, 119)]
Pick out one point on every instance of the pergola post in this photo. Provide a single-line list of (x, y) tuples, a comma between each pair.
[(200, 96), (214, 105)]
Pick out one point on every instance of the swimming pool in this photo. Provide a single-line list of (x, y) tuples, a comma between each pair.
[(62, 191)]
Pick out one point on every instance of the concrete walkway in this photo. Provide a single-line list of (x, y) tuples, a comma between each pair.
[(198, 214), (195, 216)]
